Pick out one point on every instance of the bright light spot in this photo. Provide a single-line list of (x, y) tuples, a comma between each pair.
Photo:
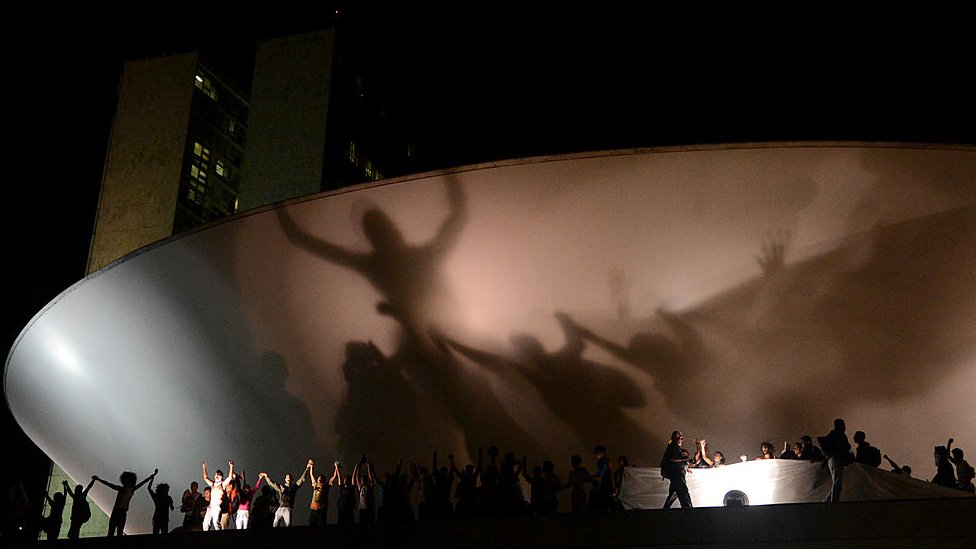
[(64, 355), (199, 78)]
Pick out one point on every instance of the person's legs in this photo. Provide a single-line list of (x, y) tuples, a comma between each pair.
[(211, 519), (837, 478), (672, 495), (240, 520), (684, 497)]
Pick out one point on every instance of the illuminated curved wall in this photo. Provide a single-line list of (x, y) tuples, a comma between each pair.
[(545, 306)]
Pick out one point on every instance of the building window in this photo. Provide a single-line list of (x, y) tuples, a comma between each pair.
[(353, 155), (201, 151), (205, 85), (220, 169)]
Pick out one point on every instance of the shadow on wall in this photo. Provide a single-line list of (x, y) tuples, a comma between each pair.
[(876, 319)]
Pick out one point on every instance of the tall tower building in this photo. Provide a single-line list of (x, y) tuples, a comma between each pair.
[(174, 156)]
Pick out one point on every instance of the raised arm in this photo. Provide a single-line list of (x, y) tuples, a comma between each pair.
[(370, 475), (355, 473), (115, 487), (891, 462), (206, 477), (335, 473), (301, 479), (147, 479), (616, 350), (230, 474), (89, 487), (573, 334), (317, 246), (704, 452), (451, 228)]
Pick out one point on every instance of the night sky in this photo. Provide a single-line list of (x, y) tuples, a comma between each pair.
[(494, 81)]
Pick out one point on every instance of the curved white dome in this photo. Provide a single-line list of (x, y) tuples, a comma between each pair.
[(545, 306)]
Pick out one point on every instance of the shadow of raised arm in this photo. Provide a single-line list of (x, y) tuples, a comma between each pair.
[(316, 245), (449, 230)]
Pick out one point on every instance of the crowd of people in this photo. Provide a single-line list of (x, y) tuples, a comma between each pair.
[(490, 487), (835, 452)]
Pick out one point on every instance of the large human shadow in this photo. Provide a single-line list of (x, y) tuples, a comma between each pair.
[(382, 414), (590, 397), (407, 276)]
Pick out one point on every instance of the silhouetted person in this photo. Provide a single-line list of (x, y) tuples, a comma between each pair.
[(488, 495), (80, 508), (552, 487), (346, 502), (579, 477), (467, 486), (261, 517), (673, 468), (864, 453), (162, 505), (837, 450), (55, 517), (964, 471), (897, 469), (363, 478), (120, 510), (603, 481), (286, 495), (618, 481), (943, 468), (810, 452), (189, 506), (794, 451)]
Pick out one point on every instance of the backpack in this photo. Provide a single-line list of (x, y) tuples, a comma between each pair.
[(874, 456)]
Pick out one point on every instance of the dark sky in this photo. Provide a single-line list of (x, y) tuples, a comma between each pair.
[(493, 81)]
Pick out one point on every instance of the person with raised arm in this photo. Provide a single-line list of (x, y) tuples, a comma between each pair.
[(964, 471), (52, 524), (162, 505), (120, 510), (242, 513), (218, 489), (318, 510), (717, 459), (286, 495), (896, 469), (80, 508)]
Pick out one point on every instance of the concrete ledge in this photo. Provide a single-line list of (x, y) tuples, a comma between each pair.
[(914, 523)]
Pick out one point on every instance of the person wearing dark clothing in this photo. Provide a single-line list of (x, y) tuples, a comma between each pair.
[(603, 482), (286, 495), (162, 505), (673, 468), (52, 524), (837, 450), (810, 452), (865, 453), (944, 476), (80, 509)]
